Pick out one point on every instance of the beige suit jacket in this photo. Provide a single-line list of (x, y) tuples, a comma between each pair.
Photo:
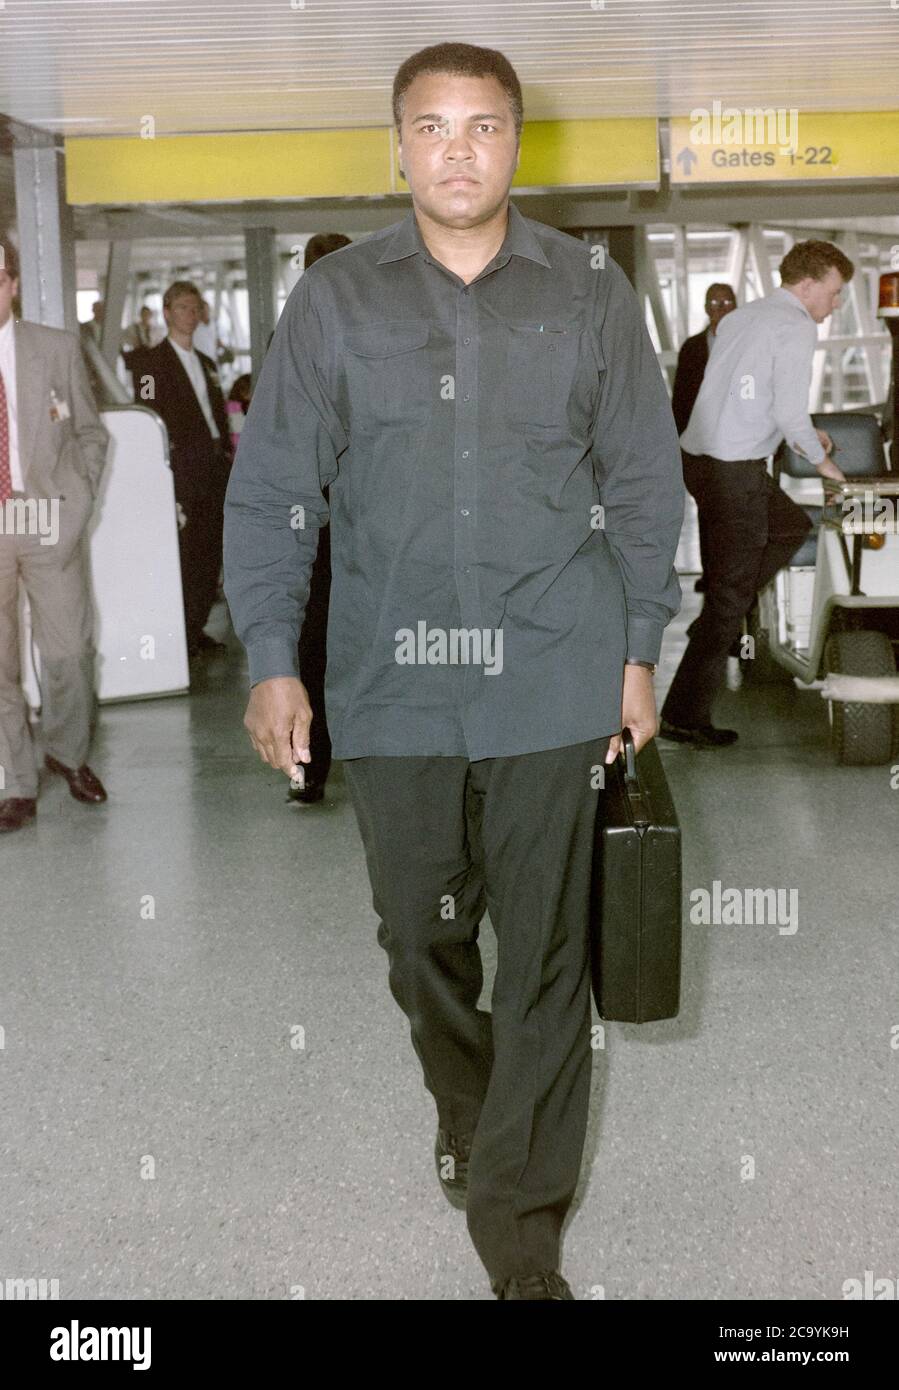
[(61, 457)]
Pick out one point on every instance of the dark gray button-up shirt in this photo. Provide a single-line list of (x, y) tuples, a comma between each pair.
[(505, 494)]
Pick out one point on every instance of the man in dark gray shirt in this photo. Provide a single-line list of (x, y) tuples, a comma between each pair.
[(480, 395)]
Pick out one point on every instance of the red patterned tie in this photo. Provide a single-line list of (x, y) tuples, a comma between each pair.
[(5, 475)]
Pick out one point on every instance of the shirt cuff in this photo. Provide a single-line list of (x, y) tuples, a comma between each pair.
[(275, 656), (812, 448), (644, 639)]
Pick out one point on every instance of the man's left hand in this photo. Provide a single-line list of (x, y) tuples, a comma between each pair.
[(638, 710), (828, 469)]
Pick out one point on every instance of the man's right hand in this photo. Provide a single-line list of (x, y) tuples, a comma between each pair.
[(278, 719)]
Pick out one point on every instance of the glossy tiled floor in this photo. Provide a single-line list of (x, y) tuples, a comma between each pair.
[(165, 1136)]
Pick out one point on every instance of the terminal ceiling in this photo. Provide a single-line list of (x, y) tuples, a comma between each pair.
[(95, 67)]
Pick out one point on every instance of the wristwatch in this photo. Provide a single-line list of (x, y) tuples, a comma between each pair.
[(649, 665)]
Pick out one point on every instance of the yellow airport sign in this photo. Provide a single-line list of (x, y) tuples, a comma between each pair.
[(724, 144), (609, 153), (228, 168), (601, 153), (337, 163)]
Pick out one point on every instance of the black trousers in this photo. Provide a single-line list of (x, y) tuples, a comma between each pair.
[(694, 472), (752, 531), (312, 654), (200, 488), (444, 839)]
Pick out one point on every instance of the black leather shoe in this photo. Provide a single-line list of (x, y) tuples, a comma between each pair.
[(702, 736), (16, 811), (84, 784), (545, 1287), (451, 1152)]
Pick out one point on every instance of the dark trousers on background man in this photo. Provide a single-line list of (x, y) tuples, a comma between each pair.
[(693, 476), (514, 836), (312, 653), (752, 530), (200, 488)]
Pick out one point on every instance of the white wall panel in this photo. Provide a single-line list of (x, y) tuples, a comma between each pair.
[(139, 615)]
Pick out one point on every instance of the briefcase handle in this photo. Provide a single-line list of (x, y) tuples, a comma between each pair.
[(638, 804)]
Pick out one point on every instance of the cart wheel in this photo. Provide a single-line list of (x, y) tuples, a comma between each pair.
[(861, 735), (762, 669)]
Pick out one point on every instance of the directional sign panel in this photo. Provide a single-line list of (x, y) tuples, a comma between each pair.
[(613, 153), (222, 168), (726, 144), (338, 163)]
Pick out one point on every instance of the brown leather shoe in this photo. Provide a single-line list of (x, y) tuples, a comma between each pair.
[(83, 784), (16, 811)]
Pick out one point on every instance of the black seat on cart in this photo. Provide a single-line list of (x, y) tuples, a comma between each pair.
[(858, 452)]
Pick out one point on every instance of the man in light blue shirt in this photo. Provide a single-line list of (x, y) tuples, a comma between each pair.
[(754, 394)]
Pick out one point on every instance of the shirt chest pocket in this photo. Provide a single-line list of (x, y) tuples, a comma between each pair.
[(541, 371), (391, 381)]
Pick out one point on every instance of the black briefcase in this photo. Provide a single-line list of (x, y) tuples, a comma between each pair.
[(636, 901)]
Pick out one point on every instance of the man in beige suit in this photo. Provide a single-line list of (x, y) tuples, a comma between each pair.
[(52, 453)]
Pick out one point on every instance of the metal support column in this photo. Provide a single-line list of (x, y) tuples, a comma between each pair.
[(759, 252), (117, 267), (736, 265), (858, 295), (681, 283), (648, 287), (260, 259), (46, 234), (623, 249), (649, 290)]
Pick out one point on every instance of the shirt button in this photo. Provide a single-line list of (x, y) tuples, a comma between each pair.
[(465, 453), (465, 511), (466, 398), (466, 341)]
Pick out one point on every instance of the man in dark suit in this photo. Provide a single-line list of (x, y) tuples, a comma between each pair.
[(694, 354), (691, 365), (182, 386)]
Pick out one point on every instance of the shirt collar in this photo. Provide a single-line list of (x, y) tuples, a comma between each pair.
[(785, 296), (6, 332), (185, 352), (519, 240)]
